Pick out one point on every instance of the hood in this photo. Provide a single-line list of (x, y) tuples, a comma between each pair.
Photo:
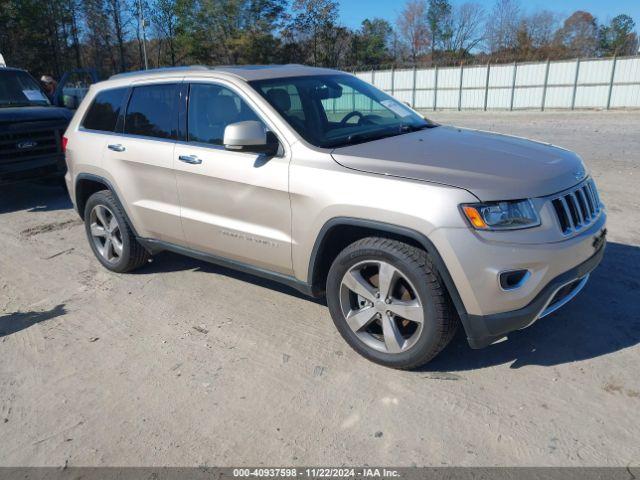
[(34, 114), (489, 165)]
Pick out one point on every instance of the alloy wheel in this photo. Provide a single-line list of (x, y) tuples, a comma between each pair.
[(105, 233), (381, 306)]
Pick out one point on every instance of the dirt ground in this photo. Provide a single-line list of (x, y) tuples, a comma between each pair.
[(184, 363)]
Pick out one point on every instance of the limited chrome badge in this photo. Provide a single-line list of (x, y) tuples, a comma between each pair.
[(27, 144), (578, 174)]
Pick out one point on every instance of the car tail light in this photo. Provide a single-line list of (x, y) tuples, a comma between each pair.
[(64, 144)]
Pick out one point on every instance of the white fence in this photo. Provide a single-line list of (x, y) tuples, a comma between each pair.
[(567, 84)]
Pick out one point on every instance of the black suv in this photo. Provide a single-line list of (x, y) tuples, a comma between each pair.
[(31, 127)]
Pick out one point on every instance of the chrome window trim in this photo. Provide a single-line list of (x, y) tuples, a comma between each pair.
[(221, 148), (100, 132), (175, 142)]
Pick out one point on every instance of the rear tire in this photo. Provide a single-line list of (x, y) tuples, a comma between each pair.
[(389, 303), (110, 235)]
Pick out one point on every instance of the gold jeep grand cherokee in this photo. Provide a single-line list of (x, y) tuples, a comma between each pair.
[(316, 179)]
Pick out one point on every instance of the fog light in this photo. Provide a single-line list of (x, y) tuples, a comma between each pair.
[(513, 279)]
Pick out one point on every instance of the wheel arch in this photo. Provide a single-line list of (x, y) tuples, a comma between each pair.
[(339, 232), (87, 184)]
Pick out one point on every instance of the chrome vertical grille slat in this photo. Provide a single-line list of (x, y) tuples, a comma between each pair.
[(595, 193), (577, 208), (596, 205), (587, 198), (584, 207), (567, 213)]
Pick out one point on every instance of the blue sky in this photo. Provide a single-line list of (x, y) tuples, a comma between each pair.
[(352, 12)]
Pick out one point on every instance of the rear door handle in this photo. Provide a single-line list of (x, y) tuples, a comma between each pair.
[(116, 147), (194, 160)]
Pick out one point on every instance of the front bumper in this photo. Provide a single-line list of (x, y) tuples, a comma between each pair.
[(483, 330), (40, 167), (475, 261)]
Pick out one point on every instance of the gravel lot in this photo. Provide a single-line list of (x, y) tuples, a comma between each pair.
[(185, 363)]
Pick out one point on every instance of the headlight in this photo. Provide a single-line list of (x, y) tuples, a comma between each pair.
[(509, 215)]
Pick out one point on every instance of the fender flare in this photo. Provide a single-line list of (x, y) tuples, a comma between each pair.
[(109, 186), (420, 238)]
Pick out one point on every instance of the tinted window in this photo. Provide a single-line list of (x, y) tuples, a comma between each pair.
[(153, 111), (211, 109), (103, 112)]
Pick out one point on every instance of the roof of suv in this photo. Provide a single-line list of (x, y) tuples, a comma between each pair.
[(246, 72)]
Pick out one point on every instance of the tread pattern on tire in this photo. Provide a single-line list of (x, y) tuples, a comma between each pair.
[(138, 255), (447, 319)]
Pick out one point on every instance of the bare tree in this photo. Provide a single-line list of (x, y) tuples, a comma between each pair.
[(502, 25), (115, 8), (413, 27), (397, 48), (335, 41), (165, 18), (466, 24), (542, 27), (98, 36)]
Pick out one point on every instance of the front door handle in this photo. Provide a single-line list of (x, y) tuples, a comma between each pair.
[(194, 160), (116, 147)]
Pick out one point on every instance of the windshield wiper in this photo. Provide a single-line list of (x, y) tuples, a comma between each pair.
[(356, 138), (375, 135), (416, 128)]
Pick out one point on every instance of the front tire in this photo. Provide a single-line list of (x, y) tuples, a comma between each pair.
[(389, 303), (110, 235)]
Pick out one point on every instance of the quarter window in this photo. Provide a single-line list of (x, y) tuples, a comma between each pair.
[(211, 109), (152, 111), (103, 112)]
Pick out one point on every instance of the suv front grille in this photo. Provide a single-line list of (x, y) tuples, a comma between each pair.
[(578, 208), (16, 146)]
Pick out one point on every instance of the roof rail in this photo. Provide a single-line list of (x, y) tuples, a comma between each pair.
[(151, 71)]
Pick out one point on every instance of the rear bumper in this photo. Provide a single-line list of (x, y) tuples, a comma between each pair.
[(483, 330), (40, 167)]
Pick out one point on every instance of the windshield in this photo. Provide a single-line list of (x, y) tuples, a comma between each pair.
[(338, 110), (19, 89)]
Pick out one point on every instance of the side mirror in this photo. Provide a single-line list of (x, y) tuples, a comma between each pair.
[(249, 136)]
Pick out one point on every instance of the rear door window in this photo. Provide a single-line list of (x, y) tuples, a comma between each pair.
[(103, 112), (153, 111)]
